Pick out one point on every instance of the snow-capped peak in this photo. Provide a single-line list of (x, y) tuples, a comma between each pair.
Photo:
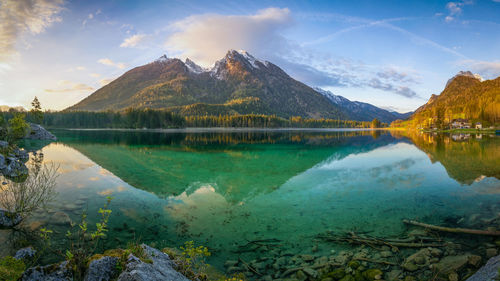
[(163, 58), (331, 96), (193, 67), (467, 74)]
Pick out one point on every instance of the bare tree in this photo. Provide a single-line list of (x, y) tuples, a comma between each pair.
[(32, 194)]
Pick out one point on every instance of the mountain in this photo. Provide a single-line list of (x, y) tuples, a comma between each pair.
[(360, 111), (466, 95), (237, 84)]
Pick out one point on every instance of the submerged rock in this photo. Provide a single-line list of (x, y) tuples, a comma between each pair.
[(160, 268), (488, 272), (8, 219), (452, 263), (102, 269), (51, 272)]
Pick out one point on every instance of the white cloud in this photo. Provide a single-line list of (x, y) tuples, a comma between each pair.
[(68, 86), (487, 69), (133, 40), (109, 62), (95, 75), (20, 16), (455, 9), (206, 38)]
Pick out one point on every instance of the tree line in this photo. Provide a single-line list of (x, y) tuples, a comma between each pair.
[(156, 119)]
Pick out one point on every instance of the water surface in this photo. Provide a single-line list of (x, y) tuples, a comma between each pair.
[(223, 189)]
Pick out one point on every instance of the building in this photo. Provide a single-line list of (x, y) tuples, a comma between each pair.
[(479, 126), (460, 124)]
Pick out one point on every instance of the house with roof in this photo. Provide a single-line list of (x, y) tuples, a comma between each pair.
[(460, 124)]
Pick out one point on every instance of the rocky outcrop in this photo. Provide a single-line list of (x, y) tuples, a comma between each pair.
[(27, 253), (102, 269), (60, 272), (160, 268), (38, 132), (8, 219), (488, 272)]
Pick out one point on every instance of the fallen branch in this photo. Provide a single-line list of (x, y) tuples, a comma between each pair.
[(250, 267), (453, 230)]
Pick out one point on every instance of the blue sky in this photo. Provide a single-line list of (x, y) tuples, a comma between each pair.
[(393, 54)]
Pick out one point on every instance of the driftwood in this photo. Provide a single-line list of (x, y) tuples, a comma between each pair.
[(373, 242), (453, 230), (249, 267)]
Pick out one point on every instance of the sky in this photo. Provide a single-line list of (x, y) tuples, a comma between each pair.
[(392, 54)]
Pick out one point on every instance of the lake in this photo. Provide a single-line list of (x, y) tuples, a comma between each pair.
[(223, 189)]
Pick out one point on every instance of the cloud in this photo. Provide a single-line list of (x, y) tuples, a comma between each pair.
[(455, 9), (109, 62), (487, 69), (206, 38), (391, 74), (104, 82), (399, 90), (133, 40), (20, 16), (68, 86), (90, 17)]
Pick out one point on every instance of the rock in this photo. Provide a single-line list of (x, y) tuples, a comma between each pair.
[(14, 168), (230, 263), (348, 278), (435, 252), (453, 276), (300, 275), (8, 219), (4, 144), (21, 154), (3, 165), (102, 269), (314, 248), (452, 263), (307, 258), (491, 252), (393, 275), (161, 267), (60, 218), (475, 260), (38, 132), (311, 272), (25, 253), (373, 274), (419, 259), (488, 272), (51, 272), (386, 254), (336, 274), (233, 269), (410, 278)]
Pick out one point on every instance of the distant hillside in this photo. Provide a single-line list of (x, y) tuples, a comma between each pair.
[(5, 108), (237, 84), (361, 111), (465, 96)]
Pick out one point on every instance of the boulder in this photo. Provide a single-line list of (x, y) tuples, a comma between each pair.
[(160, 268), (51, 272), (102, 269), (3, 164), (21, 154), (4, 144), (8, 219), (488, 272), (452, 263), (14, 168), (38, 132), (27, 253)]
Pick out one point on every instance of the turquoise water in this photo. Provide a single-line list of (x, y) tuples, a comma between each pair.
[(223, 189)]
